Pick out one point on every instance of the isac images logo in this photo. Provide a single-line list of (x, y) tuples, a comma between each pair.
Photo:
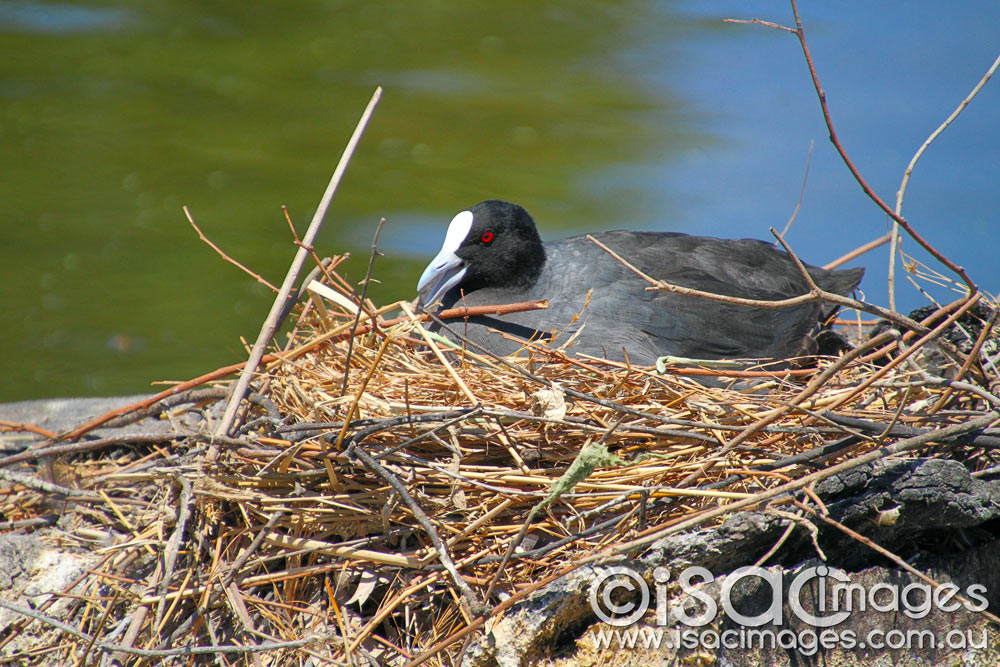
[(620, 597)]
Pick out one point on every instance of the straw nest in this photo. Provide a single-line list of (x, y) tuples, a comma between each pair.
[(367, 517)]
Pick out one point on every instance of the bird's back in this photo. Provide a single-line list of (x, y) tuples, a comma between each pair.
[(621, 314)]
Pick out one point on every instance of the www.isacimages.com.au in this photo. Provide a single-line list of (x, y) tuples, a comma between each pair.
[(806, 642)]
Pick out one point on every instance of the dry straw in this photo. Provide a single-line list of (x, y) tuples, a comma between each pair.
[(443, 484)]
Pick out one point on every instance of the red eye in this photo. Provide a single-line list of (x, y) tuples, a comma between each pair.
[(487, 237)]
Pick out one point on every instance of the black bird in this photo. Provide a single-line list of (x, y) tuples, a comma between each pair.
[(492, 254)]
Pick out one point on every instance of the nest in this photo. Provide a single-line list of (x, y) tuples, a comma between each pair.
[(383, 497)]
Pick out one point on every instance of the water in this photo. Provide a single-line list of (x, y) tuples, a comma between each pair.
[(636, 114)]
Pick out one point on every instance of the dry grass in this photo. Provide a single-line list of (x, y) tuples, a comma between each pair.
[(343, 516)]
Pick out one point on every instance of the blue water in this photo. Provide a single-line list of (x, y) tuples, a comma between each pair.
[(56, 18), (892, 73)]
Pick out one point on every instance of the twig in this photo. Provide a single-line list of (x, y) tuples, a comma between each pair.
[(310, 430), (325, 266), (217, 374), (138, 616), (47, 487), (361, 390), (444, 362), (821, 94), (30, 428), (174, 544), (857, 252), (21, 524), (815, 454), (241, 560), (767, 24), (153, 653), (418, 513), (86, 446), (417, 438), (272, 322), (902, 430), (780, 541), (223, 255), (909, 171), (100, 624), (357, 315), (813, 293), (665, 286), (802, 191)]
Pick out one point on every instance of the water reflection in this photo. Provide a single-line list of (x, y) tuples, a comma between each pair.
[(55, 18), (235, 110), (592, 115)]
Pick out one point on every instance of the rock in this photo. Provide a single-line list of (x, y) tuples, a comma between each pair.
[(946, 527)]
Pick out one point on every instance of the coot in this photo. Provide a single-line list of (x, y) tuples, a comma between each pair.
[(492, 254)]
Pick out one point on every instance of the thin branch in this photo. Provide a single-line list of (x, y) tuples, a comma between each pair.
[(153, 653), (909, 171), (934, 135), (21, 524), (43, 486), (223, 255), (361, 390), (802, 191), (25, 427), (174, 544), (814, 293), (902, 430), (217, 374), (272, 322), (800, 33), (361, 305), (664, 286), (87, 446), (418, 513), (766, 24), (857, 252)]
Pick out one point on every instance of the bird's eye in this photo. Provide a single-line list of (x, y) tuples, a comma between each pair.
[(486, 237)]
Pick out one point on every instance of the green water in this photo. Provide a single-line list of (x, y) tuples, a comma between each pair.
[(114, 116)]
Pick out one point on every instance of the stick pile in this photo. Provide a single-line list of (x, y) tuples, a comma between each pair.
[(383, 495)]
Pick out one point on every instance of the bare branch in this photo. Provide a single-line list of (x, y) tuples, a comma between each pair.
[(273, 320), (821, 94), (909, 171)]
